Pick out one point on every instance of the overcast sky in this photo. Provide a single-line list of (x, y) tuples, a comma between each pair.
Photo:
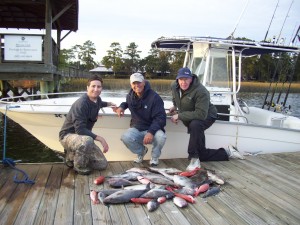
[(143, 21)]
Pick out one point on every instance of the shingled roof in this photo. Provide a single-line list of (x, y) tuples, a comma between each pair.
[(30, 14)]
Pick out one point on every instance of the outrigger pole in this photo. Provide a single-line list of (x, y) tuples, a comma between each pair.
[(284, 22), (271, 21)]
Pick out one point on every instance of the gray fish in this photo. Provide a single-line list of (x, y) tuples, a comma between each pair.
[(131, 175), (152, 205), (184, 181), (200, 177), (138, 170), (158, 179), (212, 191), (185, 191), (108, 192), (101, 197), (165, 170), (124, 196), (180, 202), (139, 186), (119, 182), (156, 193)]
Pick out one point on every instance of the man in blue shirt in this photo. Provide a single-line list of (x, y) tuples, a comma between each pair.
[(148, 119)]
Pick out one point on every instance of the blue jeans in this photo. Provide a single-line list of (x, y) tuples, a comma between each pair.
[(133, 140)]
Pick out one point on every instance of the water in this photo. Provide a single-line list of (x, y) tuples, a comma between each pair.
[(20, 145)]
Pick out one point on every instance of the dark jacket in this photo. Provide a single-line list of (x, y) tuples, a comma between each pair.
[(194, 104), (148, 112), (82, 117)]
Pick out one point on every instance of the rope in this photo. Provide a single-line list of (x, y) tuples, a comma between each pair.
[(10, 162)]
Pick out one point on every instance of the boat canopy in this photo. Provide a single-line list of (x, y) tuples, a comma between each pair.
[(248, 48)]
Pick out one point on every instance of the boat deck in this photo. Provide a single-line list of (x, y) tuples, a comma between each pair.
[(262, 189)]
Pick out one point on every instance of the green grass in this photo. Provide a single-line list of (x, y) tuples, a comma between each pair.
[(79, 84)]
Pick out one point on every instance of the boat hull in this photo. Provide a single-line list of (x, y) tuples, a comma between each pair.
[(249, 139)]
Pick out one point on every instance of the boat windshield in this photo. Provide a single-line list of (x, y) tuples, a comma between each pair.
[(212, 65)]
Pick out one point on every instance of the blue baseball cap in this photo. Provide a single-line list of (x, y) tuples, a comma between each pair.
[(184, 73)]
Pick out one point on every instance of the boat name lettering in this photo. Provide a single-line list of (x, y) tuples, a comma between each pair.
[(60, 115)]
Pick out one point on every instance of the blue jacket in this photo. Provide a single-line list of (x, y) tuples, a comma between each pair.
[(148, 112)]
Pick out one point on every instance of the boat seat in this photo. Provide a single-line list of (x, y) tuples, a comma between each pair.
[(265, 117)]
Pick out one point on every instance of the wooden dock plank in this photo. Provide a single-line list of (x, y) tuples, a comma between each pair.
[(48, 204), (30, 207), (64, 212), (261, 196), (17, 196), (82, 203), (259, 190)]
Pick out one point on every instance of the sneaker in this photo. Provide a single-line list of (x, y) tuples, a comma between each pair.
[(194, 163), (154, 162), (140, 158), (82, 171), (234, 153), (69, 163)]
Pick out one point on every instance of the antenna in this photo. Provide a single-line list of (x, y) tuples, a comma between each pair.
[(271, 21), (284, 22), (239, 19)]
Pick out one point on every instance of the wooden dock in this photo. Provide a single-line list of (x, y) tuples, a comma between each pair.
[(262, 189)]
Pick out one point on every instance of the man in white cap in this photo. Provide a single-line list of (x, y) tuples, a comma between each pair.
[(148, 119), (193, 107)]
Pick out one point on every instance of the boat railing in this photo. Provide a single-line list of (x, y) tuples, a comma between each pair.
[(234, 115), (39, 96)]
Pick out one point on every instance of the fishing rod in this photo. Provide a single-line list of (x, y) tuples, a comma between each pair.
[(284, 22), (271, 21), (296, 35), (231, 35), (291, 79)]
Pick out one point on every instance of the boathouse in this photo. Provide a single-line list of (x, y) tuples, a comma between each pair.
[(27, 58)]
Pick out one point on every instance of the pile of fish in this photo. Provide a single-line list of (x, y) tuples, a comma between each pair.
[(153, 186)]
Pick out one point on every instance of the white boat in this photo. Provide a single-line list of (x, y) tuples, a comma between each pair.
[(217, 62)]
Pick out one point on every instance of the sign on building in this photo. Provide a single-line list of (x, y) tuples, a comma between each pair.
[(23, 48)]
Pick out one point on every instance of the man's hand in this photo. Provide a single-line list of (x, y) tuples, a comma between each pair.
[(174, 118), (103, 143), (148, 139), (172, 110), (119, 111)]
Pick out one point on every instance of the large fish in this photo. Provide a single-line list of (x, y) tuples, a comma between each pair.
[(184, 181), (158, 179), (165, 170), (131, 175), (156, 193), (124, 196), (200, 177), (180, 202), (119, 182), (215, 178), (139, 186), (211, 192), (152, 205), (138, 170)]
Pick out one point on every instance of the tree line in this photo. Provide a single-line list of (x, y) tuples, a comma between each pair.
[(164, 64)]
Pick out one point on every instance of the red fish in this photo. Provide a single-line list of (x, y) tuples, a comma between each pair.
[(161, 200), (94, 197), (99, 180), (188, 198), (203, 188), (140, 200), (190, 173)]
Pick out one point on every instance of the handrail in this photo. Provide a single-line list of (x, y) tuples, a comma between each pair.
[(235, 115)]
